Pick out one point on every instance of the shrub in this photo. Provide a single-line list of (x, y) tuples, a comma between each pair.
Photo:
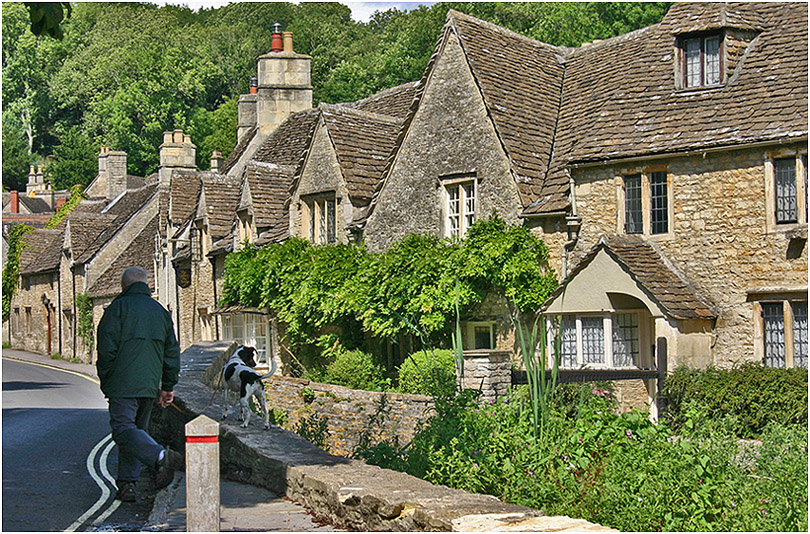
[(357, 370), (747, 397), (428, 372)]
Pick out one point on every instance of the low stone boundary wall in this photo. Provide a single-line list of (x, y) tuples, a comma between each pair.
[(347, 417), (352, 494)]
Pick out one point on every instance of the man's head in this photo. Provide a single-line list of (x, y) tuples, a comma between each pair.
[(132, 275)]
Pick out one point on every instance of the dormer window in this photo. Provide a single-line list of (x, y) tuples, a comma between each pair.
[(459, 204), (701, 60)]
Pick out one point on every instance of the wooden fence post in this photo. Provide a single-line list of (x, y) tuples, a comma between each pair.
[(202, 475)]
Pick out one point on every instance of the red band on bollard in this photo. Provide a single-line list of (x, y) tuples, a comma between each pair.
[(202, 439)]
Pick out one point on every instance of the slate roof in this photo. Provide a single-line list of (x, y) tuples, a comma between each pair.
[(363, 142), (394, 102), (521, 81), (268, 185), (185, 190), (35, 204), (287, 143), (140, 253), (89, 232), (221, 194), (554, 106), (238, 150), (43, 250), (653, 272)]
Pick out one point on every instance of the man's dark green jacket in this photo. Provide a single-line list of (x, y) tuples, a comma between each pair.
[(138, 353)]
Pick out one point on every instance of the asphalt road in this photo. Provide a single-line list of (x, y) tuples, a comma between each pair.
[(59, 463)]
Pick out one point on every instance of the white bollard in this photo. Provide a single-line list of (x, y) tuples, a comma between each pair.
[(202, 475)]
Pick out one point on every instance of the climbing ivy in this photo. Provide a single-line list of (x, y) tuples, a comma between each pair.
[(412, 288), (84, 315), (11, 273), (76, 196)]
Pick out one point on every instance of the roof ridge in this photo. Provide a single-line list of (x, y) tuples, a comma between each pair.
[(452, 13), (343, 108)]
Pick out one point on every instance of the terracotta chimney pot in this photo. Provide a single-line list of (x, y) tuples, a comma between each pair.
[(288, 42), (276, 44)]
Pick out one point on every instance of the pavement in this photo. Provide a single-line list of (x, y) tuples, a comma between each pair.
[(243, 507)]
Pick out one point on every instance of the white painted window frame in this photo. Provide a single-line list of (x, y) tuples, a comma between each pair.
[(607, 330)]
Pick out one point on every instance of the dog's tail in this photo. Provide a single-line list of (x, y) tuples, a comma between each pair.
[(273, 367)]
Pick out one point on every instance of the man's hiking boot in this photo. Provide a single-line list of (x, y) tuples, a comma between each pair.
[(172, 461), (126, 492)]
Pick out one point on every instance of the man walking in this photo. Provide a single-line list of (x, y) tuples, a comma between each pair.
[(138, 363)]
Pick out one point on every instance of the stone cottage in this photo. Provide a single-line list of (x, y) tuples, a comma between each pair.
[(665, 169)]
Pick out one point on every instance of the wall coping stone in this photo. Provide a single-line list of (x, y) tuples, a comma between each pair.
[(350, 493)]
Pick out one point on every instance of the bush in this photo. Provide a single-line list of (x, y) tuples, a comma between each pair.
[(747, 397), (357, 370), (429, 372)]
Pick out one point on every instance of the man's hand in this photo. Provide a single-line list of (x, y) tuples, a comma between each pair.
[(165, 398)]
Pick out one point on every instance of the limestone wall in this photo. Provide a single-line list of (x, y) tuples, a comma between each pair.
[(346, 417), (719, 237)]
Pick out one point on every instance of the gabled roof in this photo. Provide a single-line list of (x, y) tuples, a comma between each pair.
[(238, 150), (35, 204), (521, 82), (654, 274), (287, 143), (363, 142), (95, 229), (43, 250), (185, 190), (393, 102), (268, 185), (620, 99), (218, 200), (140, 253)]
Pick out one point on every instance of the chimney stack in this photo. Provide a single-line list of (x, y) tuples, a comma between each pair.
[(216, 161), (15, 201), (177, 152), (117, 181)]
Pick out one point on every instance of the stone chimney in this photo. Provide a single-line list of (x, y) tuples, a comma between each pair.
[(216, 160), (177, 152), (36, 180), (116, 173), (283, 87)]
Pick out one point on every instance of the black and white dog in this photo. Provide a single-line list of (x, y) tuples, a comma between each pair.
[(239, 376)]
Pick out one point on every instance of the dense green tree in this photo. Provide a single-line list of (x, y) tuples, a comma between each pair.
[(16, 158), (75, 160)]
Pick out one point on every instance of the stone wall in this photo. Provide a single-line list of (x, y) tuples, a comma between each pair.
[(33, 311), (450, 135), (719, 234), (345, 417), (489, 371)]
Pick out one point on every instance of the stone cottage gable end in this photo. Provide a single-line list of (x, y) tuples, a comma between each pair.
[(449, 137)]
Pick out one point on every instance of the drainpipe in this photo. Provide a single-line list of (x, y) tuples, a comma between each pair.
[(572, 224)]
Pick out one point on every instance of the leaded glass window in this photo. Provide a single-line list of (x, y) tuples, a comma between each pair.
[(659, 211), (625, 340), (774, 326), (799, 334), (593, 340), (633, 223), (786, 195)]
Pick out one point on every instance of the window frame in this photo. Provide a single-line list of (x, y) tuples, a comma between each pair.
[(468, 334), (683, 67), (608, 319), (466, 187), (320, 219), (263, 344), (643, 182), (787, 313), (773, 221)]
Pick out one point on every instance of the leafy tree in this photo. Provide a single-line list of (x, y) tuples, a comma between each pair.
[(11, 272), (46, 17), (16, 158), (74, 160)]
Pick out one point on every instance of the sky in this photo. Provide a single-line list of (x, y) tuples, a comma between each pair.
[(361, 11)]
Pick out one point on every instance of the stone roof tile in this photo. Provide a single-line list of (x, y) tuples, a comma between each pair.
[(394, 102), (221, 195), (43, 250), (140, 253)]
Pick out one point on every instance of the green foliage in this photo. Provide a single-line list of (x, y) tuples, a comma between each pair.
[(414, 288), (46, 17), (75, 160), (84, 315), (126, 72), (76, 196), (746, 397), (11, 273), (429, 372), (314, 429), (16, 158), (356, 370), (618, 470)]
